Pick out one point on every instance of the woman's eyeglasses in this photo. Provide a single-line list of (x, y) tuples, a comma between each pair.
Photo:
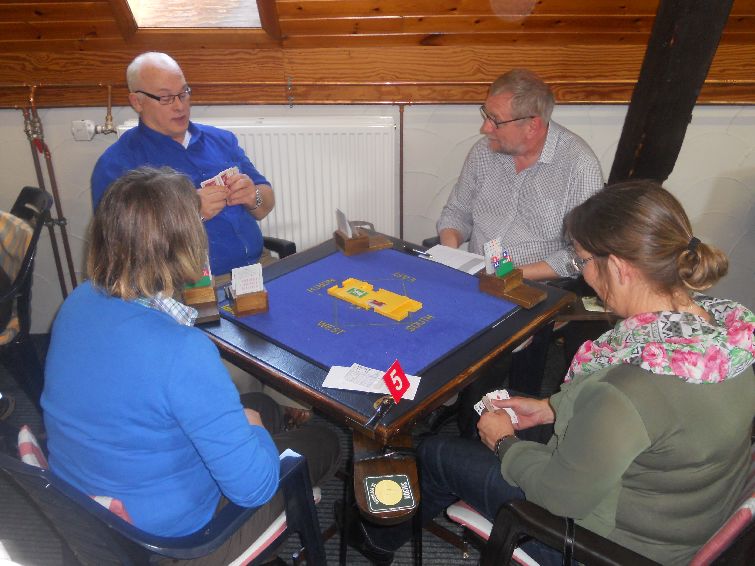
[(579, 263)]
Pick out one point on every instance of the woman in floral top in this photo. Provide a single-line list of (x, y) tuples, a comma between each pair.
[(651, 441)]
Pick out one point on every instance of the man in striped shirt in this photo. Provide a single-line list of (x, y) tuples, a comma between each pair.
[(521, 179), (517, 184)]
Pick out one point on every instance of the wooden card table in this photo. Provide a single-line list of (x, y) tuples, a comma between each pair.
[(276, 362)]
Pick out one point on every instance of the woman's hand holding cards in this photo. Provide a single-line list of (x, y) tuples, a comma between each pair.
[(530, 412), (493, 426)]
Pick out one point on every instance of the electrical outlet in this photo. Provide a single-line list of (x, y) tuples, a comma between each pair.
[(82, 130)]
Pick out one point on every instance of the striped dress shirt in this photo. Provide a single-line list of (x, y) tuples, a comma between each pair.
[(525, 209)]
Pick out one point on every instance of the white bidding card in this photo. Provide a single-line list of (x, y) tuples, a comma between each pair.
[(343, 223), (247, 279)]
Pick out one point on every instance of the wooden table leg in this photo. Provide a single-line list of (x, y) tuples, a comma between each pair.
[(400, 499)]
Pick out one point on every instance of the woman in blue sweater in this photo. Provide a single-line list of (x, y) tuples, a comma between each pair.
[(137, 403)]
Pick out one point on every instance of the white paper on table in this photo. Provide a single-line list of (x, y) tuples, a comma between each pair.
[(247, 279), (368, 380), (458, 259)]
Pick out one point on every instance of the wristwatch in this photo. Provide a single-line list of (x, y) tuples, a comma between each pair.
[(257, 199), (499, 443)]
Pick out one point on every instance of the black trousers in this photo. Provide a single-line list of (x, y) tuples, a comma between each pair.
[(319, 445)]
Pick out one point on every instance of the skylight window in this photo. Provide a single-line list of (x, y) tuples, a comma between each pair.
[(195, 13)]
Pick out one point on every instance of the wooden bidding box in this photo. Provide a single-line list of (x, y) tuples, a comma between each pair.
[(512, 287), (251, 303), (357, 244), (361, 242), (204, 300)]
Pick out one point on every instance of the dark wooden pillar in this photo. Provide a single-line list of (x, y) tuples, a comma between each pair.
[(682, 44)]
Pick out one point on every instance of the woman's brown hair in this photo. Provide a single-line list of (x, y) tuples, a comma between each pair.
[(643, 223), (146, 236)]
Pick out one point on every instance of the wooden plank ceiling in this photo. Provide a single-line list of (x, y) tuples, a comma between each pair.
[(363, 51)]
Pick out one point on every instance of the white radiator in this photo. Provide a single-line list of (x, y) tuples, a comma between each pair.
[(317, 164)]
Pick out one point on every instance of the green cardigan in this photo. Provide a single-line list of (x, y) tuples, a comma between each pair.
[(649, 461)]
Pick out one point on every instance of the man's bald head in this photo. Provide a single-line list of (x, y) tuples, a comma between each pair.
[(153, 59)]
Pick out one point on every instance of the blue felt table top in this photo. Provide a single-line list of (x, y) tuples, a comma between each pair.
[(304, 319)]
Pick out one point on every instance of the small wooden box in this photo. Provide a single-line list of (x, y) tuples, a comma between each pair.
[(495, 285), (357, 244), (512, 287), (198, 295), (205, 301), (206, 312), (364, 242), (251, 303)]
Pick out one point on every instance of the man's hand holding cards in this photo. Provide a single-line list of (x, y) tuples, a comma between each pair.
[(222, 179), (215, 192), (486, 404)]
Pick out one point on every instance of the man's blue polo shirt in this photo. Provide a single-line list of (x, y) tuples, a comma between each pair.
[(234, 235)]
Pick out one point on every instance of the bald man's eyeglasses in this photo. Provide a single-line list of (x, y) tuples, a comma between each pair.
[(496, 123), (168, 98)]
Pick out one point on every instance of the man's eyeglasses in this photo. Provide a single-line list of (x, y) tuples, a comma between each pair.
[(496, 123), (168, 98), (579, 263)]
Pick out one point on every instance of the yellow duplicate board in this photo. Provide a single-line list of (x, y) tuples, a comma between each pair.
[(386, 303)]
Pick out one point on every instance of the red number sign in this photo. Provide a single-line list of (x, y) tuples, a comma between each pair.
[(396, 380)]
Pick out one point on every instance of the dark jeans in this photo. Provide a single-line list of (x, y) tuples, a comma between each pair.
[(452, 469), (525, 371)]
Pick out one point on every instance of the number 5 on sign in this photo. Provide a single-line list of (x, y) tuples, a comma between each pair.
[(396, 381)]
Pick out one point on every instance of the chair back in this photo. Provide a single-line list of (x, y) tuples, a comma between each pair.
[(70, 514), (32, 206), (86, 538), (734, 542), (91, 534)]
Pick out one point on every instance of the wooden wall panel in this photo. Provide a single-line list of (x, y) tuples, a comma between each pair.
[(467, 25), (367, 8), (365, 51), (54, 11)]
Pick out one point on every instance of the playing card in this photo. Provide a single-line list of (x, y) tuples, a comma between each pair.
[(498, 394), (512, 415), (221, 179), (479, 407), (214, 181), (227, 174)]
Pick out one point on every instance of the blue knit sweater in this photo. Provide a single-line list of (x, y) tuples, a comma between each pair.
[(140, 408)]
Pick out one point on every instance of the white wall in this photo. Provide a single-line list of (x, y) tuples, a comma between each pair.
[(714, 176)]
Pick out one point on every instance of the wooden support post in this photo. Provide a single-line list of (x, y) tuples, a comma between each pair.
[(682, 44)]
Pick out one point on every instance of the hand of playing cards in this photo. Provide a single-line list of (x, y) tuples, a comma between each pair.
[(486, 404), (221, 179)]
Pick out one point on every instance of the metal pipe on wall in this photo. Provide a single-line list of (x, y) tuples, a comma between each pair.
[(35, 134), (29, 127)]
